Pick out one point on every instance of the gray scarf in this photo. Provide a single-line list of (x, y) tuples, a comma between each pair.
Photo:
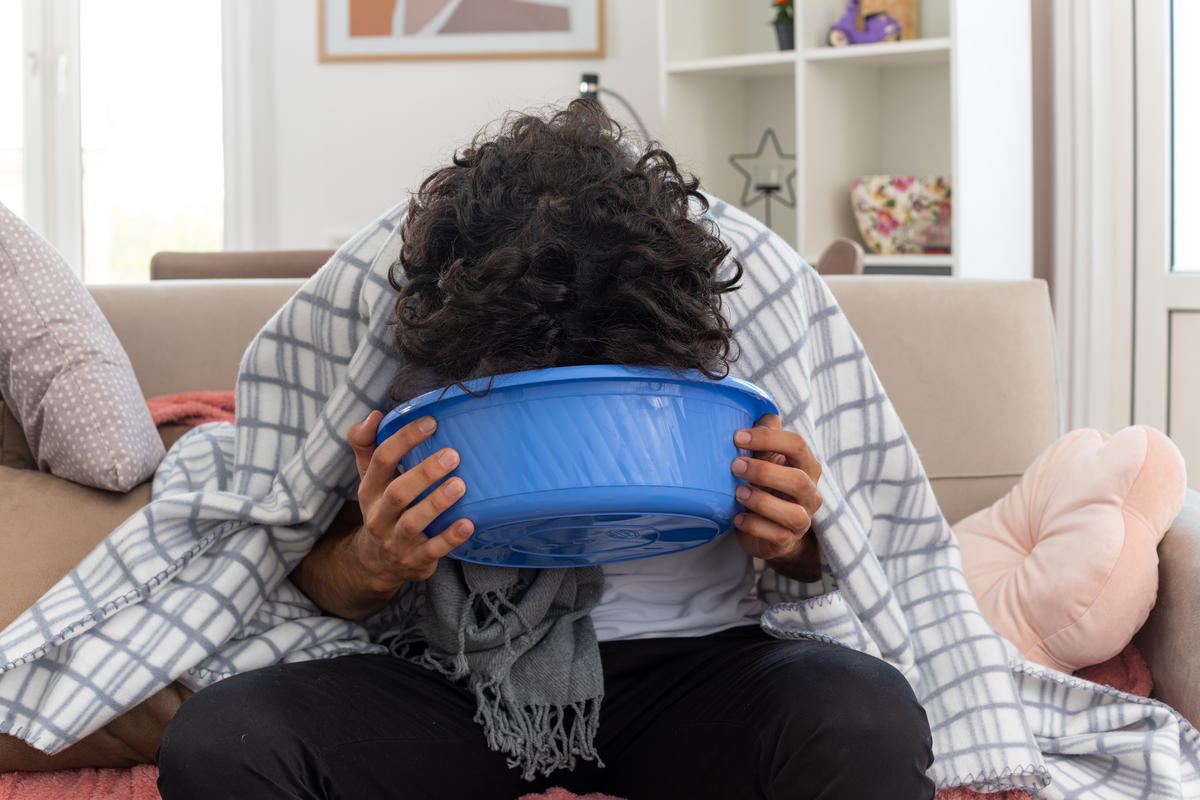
[(521, 639)]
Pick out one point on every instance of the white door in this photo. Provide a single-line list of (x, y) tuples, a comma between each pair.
[(1166, 376)]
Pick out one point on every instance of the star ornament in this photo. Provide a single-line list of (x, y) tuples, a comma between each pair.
[(764, 171)]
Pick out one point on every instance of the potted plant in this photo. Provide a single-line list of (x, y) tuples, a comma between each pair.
[(784, 29)]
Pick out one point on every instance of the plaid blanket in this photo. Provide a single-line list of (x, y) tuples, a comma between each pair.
[(195, 585)]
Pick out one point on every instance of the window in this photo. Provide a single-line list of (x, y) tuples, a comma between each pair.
[(1185, 134), (1166, 291), (150, 90), (129, 103), (12, 120)]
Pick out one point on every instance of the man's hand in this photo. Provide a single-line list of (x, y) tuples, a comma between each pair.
[(780, 500), (391, 545), (378, 544)]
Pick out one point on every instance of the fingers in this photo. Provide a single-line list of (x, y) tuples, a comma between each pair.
[(790, 481), (792, 517), (398, 525), (381, 466), (762, 538), (423, 552), (440, 546), (394, 526), (418, 518), (400, 492), (415, 557), (790, 444)]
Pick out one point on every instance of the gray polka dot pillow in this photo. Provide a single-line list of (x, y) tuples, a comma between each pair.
[(64, 374)]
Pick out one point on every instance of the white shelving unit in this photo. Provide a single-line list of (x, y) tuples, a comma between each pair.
[(954, 101)]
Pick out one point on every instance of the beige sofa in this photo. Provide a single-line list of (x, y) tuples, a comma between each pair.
[(969, 365)]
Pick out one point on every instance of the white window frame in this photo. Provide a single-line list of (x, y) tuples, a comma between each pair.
[(1160, 290), (52, 166), (249, 129)]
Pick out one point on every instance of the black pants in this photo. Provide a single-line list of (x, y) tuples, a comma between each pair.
[(735, 714)]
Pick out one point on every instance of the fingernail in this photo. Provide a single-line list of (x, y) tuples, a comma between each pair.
[(739, 466), (742, 437), (453, 488), (448, 458), (743, 492), (426, 425), (739, 519)]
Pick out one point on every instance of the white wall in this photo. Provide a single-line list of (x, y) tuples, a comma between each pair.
[(335, 144)]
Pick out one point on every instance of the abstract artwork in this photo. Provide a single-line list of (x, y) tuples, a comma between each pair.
[(368, 30)]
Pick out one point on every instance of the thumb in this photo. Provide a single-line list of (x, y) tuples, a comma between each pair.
[(361, 436)]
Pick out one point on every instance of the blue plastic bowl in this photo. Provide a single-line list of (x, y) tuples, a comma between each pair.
[(587, 464)]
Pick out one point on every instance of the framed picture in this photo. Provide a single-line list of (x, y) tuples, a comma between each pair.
[(384, 30)]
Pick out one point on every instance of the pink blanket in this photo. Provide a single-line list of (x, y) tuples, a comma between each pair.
[(191, 408), (137, 783)]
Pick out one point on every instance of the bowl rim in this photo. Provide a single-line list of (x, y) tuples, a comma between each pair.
[(581, 372)]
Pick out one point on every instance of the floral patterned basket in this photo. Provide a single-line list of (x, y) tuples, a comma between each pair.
[(902, 213)]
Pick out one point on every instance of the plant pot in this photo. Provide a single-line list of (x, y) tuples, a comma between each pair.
[(786, 33)]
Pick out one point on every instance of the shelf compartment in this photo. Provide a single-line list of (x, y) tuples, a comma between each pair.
[(751, 65), (885, 54), (703, 29), (702, 141), (814, 18), (898, 124)]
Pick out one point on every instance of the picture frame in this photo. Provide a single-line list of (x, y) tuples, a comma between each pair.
[(366, 30)]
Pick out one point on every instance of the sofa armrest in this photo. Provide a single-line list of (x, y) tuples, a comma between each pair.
[(1170, 639)]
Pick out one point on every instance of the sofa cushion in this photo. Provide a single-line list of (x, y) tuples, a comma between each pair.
[(1065, 566), (50, 524), (64, 374)]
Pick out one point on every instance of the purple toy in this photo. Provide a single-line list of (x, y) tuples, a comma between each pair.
[(880, 27)]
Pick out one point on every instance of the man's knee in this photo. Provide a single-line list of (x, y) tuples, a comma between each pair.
[(227, 727), (853, 701)]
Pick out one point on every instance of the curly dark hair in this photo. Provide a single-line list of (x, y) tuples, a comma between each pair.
[(553, 243)]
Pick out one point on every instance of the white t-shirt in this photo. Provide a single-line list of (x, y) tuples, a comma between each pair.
[(691, 593)]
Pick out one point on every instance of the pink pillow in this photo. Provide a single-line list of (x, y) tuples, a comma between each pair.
[(64, 374), (1065, 566)]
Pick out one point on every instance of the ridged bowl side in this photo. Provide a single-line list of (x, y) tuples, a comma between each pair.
[(621, 440)]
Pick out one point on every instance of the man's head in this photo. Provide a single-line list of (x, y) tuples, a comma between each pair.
[(551, 243)]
